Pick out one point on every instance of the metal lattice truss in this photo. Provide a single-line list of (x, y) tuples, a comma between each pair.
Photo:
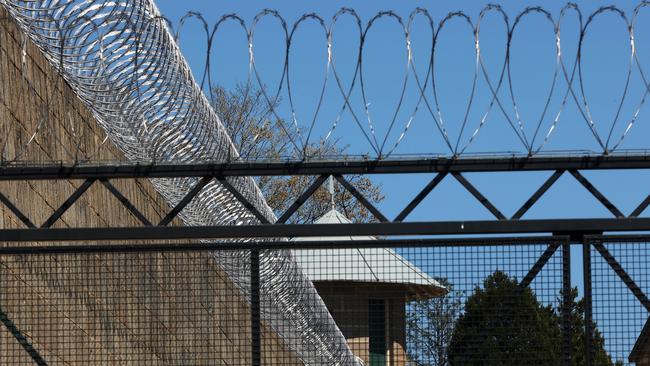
[(123, 63), (439, 169)]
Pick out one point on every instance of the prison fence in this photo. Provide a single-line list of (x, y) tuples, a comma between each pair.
[(495, 301)]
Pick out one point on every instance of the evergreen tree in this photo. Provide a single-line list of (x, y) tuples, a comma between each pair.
[(577, 321), (504, 324)]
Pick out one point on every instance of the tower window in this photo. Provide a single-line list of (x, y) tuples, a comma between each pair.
[(377, 331)]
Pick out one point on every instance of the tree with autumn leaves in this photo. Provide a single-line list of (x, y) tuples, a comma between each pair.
[(258, 135)]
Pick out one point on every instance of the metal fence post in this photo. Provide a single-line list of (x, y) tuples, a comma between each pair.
[(256, 339), (566, 301), (586, 267)]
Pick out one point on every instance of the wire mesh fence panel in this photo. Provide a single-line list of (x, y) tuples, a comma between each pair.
[(117, 309), (443, 305), (456, 302), (618, 267), (487, 317)]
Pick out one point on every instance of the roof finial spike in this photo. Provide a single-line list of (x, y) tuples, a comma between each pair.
[(331, 189)]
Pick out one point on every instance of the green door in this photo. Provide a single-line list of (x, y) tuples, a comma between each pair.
[(377, 331)]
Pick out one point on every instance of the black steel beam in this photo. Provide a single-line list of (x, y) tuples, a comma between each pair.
[(125, 202), (539, 265), (274, 245), (538, 194), (587, 290), (19, 214), (622, 274), (596, 193), (479, 196), (243, 200), (303, 197), (641, 207), (256, 318), (68, 203), (556, 226), (185, 201), (361, 198), (341, 166), (21, 339), (420, 196), (567, 332)]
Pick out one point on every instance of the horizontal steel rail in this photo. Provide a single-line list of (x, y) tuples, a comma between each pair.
[(280, 245), (341, 166), (550, 226)]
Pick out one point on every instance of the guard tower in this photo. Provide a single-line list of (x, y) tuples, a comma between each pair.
[(366, 290)]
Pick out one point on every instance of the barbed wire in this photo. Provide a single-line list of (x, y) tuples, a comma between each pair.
[(427, 95), (499, 89)]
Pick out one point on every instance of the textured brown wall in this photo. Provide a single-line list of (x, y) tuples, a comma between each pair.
[(172, 308), (348, 304)]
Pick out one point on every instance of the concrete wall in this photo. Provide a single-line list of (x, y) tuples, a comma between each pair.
[(173, 308)]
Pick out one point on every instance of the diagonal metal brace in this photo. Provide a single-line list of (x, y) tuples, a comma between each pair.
[(620, 271), (185, 201), (420, 196), (538, 194), (16, 211), (125, 201), (480, 197), (22, 340), (303, 197), (245, 202), (641, 207), (596, 193), (361, 198), (539, 265), (68, 203)]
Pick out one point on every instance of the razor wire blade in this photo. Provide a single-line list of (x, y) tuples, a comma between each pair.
[(567, 84)]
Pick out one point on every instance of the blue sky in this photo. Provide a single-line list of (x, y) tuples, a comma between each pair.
[(606, 61), (606, 58), (605, 64)]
